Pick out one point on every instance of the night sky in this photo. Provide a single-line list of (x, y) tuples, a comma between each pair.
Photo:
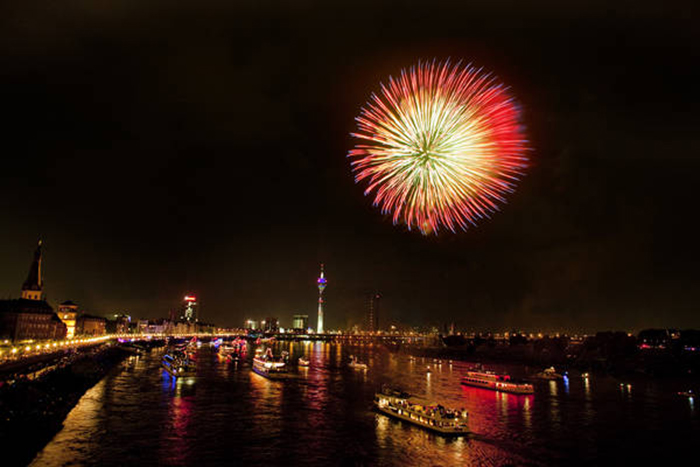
[(163, 148)]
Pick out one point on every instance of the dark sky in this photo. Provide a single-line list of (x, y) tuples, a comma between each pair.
[(164, 147)]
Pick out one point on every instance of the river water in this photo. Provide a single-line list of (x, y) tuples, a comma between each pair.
[(227, 415)]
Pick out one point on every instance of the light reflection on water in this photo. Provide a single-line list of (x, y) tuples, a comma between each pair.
[(324, 417)]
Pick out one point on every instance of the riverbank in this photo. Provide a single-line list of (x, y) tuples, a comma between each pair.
[(33, 411)]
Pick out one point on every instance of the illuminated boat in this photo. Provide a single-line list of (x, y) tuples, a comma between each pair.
[(178, 365), (227, 353), (689, 394), (549, 373), (498, 382), (303, 362), (268, 366), (433, 417), (355, 364)]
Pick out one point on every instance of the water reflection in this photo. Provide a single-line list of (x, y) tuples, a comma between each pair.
[(325, 417)]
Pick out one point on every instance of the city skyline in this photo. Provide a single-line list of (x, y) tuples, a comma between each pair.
[(146, 179)]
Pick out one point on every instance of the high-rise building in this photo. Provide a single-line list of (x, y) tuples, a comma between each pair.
[(373, 312), (322, 282), (190, 309), (300, 322)]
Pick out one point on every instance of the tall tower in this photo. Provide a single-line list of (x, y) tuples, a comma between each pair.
[(321, 287), (34, 285), (373, 312)]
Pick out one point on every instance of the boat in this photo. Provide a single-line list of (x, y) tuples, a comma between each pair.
[(430, 416), (265, 364), (502, 382), (227, 353), (303, 361), (178, 365), (549, 373), (355, 364), (689, 394)]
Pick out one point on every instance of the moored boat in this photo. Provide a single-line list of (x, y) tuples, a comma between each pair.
[(430, 416), (303, 362), (485, 379)]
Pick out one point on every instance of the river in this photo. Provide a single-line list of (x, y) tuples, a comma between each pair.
[(227, 415)]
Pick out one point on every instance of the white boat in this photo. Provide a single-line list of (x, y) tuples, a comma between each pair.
[(303, 362), (549, 373), (268, 366), (431, 416), (355, 364)]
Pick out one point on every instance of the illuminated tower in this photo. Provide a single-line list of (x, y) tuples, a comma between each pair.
[(373, 312), (321, 287)]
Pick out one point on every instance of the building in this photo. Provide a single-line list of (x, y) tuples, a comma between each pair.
[(154, 326), (271, 325), (373, 312), (190, 310), (30, 317), (121, 324), (68, 313), (24, 319), (321, 282), (251, 324), (89, 325), (300, 322)]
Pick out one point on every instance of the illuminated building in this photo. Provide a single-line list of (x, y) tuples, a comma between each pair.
[(251, 324), (22, 319), (373, 312), (89, 325), (300, 322), (68, 312), (322, 282), (30, 317), (271, 325), (190, 310)]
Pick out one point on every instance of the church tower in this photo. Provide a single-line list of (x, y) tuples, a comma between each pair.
[(33, 287)]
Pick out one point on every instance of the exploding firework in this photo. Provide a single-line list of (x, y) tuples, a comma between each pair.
[(440, 146)]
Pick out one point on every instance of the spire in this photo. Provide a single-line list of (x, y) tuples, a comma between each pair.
[(33, 286)]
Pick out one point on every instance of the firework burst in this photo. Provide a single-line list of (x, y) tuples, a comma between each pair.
[(440, 146)]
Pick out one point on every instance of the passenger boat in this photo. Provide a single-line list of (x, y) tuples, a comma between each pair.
[(268, 366), (355, 364), (178, 365), (689, 394), (481, 378), (303, 361), (549, 373), (433, 417)]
